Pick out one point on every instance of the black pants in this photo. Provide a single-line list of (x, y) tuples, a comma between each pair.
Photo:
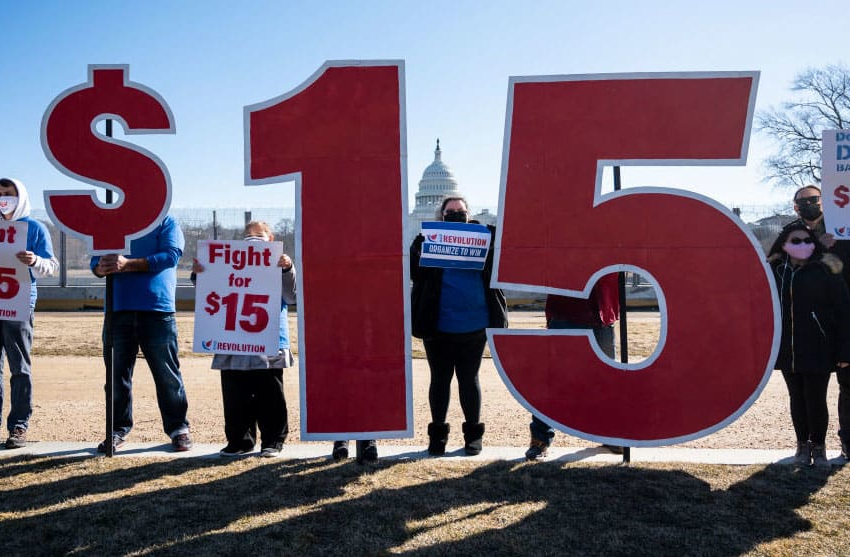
[(843, 375), (809, 411), (449, 354), (254, 398)]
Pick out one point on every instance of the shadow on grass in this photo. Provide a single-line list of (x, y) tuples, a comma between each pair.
[(317, 507)]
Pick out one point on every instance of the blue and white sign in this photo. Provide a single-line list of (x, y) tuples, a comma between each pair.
[(835, 183), (455, 245)]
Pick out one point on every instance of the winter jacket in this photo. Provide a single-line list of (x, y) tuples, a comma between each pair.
[(601, 308), (815, 304), (428, 283)]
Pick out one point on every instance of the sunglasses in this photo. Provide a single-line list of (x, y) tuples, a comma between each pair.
[(813, 200), (798, 241)]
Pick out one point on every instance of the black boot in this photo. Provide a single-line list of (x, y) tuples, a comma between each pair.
[(438, 436), (472, 434)]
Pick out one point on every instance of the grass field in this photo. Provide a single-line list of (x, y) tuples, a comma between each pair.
[(148, 506), (139, 506)]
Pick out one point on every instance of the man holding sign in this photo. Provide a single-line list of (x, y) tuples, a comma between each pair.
[(16, 326), (144, 305), (808, 204)]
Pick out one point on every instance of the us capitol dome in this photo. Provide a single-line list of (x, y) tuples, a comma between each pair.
[(437, 183)]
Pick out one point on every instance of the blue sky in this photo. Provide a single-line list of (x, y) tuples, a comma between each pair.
[(209, 59)]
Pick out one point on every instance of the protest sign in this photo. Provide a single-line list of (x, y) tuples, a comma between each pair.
[(835, 183), (454, 245), (237, 297), (15, 281)]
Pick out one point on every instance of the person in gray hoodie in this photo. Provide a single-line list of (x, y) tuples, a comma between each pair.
[(16, 336)]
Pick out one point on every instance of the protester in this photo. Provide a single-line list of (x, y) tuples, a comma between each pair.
[(450, 310), (17, 335), (815, 305), (144, 292), (808, 204), (598, 312), (252, 385)]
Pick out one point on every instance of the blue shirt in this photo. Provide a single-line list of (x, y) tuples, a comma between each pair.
[(38, 242), (154, 290), (463, 308)]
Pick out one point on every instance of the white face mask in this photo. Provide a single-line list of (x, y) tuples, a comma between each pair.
[(262, 238), (8, 204)]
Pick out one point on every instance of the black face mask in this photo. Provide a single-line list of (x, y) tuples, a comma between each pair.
[(455, 216), (809, 211)]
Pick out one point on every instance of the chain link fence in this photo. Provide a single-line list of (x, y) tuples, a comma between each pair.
[(228, 224)]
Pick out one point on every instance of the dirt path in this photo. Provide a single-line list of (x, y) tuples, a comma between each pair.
[(69, 375)]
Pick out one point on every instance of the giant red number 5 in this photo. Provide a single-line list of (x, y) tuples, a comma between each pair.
[(340, 137), (559, 234)]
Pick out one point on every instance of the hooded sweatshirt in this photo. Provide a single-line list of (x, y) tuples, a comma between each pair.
[(38, 240)]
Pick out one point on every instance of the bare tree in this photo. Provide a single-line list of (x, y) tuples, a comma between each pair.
[(822, 103)]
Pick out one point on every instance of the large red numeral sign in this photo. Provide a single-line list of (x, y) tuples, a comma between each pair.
[(141, 180), (340, 137), (559, 234)]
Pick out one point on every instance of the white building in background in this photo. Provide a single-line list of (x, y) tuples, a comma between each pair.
[(437, 183)]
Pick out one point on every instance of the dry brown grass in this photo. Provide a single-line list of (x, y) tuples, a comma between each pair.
[(143, 506), (97, 506)]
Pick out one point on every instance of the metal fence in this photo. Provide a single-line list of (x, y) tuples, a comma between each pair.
[(228, 224)]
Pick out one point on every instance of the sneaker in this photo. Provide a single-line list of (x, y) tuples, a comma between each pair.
[(17, 438), (819, 459), (117, 442), (368, 451), (537, 451), (231, 451), (272, 451), (340, 450), (803, 456), (181, 443)]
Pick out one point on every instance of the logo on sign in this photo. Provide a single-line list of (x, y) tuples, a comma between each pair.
[(208, 345), (841, 197)]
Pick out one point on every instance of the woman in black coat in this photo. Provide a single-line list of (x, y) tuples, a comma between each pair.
[(815, 307), (450, 310)]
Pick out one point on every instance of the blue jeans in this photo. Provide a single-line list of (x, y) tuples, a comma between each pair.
[(16, 339), (542, 431), (155, 333)]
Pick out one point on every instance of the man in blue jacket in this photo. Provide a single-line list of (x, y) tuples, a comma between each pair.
[(145, 283)]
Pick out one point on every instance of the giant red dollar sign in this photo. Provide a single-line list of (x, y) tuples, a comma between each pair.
[(69, 140)]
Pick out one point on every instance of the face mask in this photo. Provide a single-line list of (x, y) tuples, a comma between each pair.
[(455, 216), (799, 251), (8, 204), (262, 238), (809, 211)]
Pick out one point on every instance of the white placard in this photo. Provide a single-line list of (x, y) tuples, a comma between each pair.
[(835, 183), (237, 297), (15, 280)]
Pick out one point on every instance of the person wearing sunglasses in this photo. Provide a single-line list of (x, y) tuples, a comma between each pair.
[(808, 204), (815, 305)]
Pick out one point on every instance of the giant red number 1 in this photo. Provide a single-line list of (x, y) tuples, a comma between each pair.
[(340, 137), (559, 234)]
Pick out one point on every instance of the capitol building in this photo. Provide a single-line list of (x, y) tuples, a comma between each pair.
[(437, 183)]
